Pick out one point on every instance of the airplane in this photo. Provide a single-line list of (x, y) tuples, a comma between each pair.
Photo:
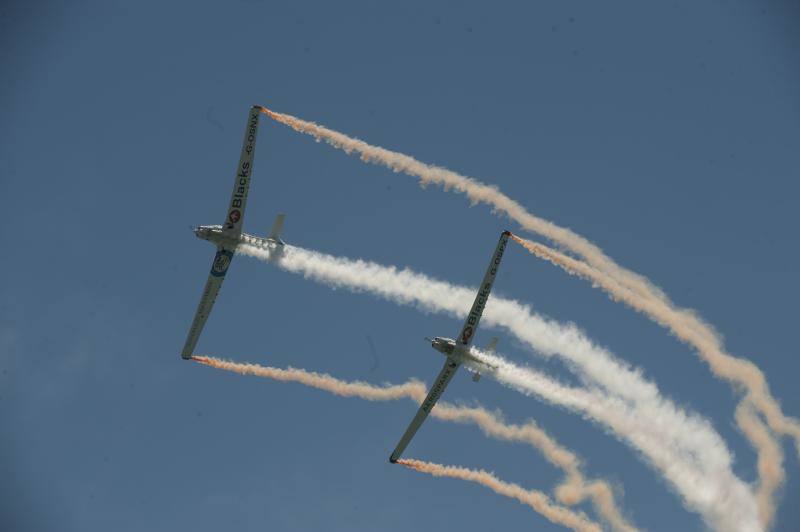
[(457, 350), (229, 235)]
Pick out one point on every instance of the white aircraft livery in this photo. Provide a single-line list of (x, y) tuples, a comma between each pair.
[(457, 351), (228, 235)]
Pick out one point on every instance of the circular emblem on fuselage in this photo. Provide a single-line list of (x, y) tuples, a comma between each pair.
[(466, 335), (221, 263), (234, 216)]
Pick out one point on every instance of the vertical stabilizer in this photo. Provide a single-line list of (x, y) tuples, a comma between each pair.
[(277, 227)]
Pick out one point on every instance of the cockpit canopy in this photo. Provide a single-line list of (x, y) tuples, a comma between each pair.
[(443, 345), (203, 231)]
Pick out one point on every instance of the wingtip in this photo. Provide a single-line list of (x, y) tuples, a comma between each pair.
[(392, 460)]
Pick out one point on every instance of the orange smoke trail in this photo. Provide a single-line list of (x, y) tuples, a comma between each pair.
[(735, 370), (770, 454), (535, 499), (476, 191), (413, 388), (573, 490), (770, 471)]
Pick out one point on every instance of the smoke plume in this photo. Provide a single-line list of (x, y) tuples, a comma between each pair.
[(573, 490), (736, 370), (741, 373), (535, 499), (685, 327), (629, 406)]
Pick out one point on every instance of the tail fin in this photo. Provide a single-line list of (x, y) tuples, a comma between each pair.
[(277, 227), (492, 345)]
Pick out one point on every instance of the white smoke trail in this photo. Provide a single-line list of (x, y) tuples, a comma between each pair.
[(770, 454), (573, 490), (685, 448), (737, 371), (404, 286), (535, 499)]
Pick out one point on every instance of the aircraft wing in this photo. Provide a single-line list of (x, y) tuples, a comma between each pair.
[(474, 317), (241, 184), (232, 227), (218, 270), (441, 382)]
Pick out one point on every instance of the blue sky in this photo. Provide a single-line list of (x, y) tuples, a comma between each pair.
[(666, 133)]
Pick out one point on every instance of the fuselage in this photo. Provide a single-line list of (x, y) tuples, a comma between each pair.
[(214, 234), (463, 354)]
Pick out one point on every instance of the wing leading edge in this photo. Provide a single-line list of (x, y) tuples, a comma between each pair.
[(462, 342)]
